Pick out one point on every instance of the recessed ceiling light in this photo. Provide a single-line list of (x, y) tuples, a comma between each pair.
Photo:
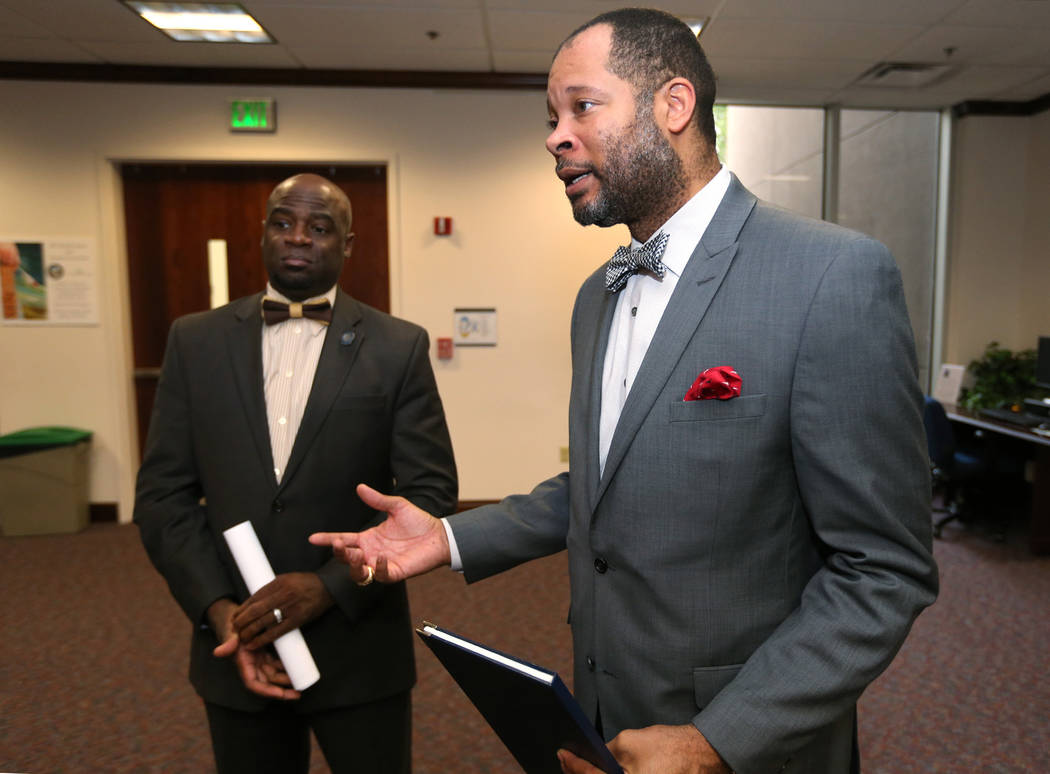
[(696, 25), (208, 22)]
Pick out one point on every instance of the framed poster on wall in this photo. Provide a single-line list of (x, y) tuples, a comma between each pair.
[(48, 281)]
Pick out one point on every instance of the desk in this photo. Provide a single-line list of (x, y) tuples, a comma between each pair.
[(1039, 531)]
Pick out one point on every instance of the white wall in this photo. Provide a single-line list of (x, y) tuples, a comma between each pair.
[(999, 251), (475, 156)]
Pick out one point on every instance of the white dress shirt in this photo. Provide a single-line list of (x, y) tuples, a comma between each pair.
[(640, 306), (291, 350), (642, 302)]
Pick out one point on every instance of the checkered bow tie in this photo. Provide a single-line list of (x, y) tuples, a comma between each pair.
[(274, 311), (627, 262)]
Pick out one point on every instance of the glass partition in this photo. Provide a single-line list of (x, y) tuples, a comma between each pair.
[(776, 152), (888, 189)]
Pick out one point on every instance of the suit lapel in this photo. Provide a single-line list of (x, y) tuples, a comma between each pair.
[(701, 280), (342, 342), (244, 342), (593, 353)]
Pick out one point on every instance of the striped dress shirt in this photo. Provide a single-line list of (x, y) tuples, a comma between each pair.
[(290, 352)]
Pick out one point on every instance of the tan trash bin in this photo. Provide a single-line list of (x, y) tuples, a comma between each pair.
[(44, 481)]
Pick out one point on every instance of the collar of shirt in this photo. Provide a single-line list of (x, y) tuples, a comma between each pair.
[(688, 224), (315, 325)]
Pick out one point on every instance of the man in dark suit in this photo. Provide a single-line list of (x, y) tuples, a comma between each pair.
[(747, 509), (275, 423)]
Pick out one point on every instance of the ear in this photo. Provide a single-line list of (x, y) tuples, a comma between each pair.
[(675, 102), (348, 246)]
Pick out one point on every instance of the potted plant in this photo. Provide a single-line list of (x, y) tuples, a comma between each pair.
[(1002, 379)]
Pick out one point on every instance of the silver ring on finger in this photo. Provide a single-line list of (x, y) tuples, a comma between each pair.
[(277, 614)]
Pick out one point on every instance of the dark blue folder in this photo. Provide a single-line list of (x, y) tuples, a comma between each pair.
[(528, 707)]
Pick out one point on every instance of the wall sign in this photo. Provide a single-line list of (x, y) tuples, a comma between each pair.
[(253, 115), (474, 327), (48, 281)]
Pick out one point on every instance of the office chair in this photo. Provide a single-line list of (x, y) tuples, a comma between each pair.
[(952, 469)]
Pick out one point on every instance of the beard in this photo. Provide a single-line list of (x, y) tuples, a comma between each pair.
[(641, 177)]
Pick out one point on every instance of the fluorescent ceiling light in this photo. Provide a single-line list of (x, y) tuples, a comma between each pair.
[(210, 22)]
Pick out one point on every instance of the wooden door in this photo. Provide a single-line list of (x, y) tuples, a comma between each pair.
[(172, 210)]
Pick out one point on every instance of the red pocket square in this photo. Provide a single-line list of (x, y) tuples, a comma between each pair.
[(721, 382)]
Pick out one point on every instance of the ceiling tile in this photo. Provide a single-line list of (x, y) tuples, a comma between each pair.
[(894, 99), (881, 12), (533, 30), (170, 53), (308, 6), (789, 39), (979, 45), (1039, 87), (522, 61), (15, 25), (764, 51), (76, 19), (591, 8), (734, 72), (970, 83), (747, 95), (347, 58), (1009, 13), (373, 28), (43, 50), (987, 82)]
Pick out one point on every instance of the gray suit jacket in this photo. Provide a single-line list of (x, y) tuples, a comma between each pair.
[(373, 416), (747, 565)]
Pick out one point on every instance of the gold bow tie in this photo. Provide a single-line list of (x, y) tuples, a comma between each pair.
[(274, 311)]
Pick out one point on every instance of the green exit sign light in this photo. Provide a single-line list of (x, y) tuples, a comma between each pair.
[(253, 115)]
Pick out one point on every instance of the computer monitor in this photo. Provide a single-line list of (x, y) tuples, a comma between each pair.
[(1042, 363)]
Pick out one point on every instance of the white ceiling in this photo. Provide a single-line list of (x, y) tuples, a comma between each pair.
[(764, 51)]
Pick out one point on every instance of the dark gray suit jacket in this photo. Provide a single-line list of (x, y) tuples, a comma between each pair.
[(747, 565), (373, 416)]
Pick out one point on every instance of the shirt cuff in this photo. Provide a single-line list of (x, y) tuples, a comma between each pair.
[(453, 549)]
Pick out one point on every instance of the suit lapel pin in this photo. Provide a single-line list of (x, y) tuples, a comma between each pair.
[(347, 338)]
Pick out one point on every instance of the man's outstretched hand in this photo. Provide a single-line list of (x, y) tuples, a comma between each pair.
[(410, 542)]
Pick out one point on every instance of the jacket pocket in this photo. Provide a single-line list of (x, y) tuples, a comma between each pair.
[(707, 410), (709, 681)]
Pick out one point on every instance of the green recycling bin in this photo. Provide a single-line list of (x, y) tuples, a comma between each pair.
[(44, 481)]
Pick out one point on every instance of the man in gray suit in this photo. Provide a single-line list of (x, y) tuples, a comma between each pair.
[(271, 409), (747, 508)]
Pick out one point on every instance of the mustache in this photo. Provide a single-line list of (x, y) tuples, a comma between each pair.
[(578, 166)]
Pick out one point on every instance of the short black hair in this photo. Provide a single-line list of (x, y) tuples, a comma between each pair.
[(649, 48)]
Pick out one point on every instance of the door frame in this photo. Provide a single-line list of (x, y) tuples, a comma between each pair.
[(115, 312)]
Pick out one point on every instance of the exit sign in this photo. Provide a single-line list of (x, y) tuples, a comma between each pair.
[(253, 115)]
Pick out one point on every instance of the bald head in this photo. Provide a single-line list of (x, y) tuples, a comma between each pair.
[(309, 183)]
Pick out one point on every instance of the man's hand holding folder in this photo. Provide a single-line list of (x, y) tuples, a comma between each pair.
[(655, 750)]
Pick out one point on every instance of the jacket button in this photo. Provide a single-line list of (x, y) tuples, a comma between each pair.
[(590, 664), (277, 506), (601, 565)]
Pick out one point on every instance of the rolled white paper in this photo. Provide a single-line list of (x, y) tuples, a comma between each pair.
[(255, 569)]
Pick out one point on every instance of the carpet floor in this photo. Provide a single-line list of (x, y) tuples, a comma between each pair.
[(93, 663)]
